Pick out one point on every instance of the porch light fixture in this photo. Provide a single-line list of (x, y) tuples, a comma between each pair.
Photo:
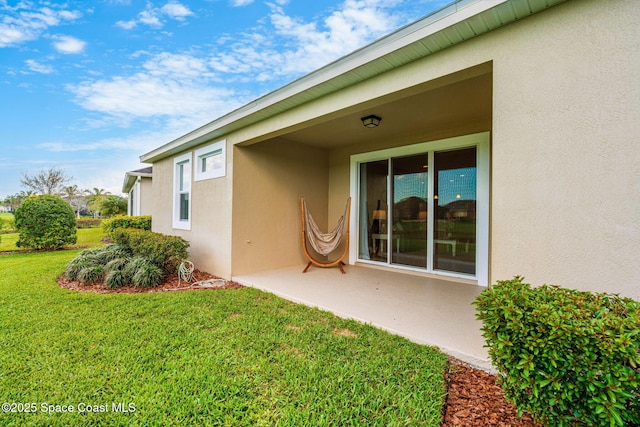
[(371, 121)]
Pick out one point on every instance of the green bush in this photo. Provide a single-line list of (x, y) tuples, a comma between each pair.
[(164, 251), (45, 222), (104, 257), (138, 257), (121, 221), (91, 274), (566, 357), (89, 222), (147, 275)]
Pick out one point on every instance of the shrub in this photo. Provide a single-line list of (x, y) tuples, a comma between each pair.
[(146, 274), (116, 277), (164, 251), (45, 222), (89, 222), (94, 257), (91, 274), (568, 358), (137, 222)]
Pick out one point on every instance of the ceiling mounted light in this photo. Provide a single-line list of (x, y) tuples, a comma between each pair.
[(371, 121)]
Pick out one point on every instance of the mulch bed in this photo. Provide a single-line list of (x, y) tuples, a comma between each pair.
[(473, 399)]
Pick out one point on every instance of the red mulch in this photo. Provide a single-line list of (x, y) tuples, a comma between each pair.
[(473, 399)]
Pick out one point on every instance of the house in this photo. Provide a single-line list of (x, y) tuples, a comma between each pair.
[(137, 185), (490, 139)]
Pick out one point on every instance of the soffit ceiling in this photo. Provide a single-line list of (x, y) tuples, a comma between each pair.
[(465, 101)]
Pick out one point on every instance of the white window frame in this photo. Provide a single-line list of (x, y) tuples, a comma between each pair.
[(217, 148), (181, 224), (481, 142)]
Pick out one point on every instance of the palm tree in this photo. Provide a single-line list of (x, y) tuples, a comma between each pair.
[(73, 196), (95, 198)]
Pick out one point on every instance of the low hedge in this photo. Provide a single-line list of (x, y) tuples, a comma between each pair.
[(566, 357), (164, 251), (122, 221), (88, 222)]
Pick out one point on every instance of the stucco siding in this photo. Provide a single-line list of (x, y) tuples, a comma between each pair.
[(210, 234), (146, 196), (269, 180), (566, 170)]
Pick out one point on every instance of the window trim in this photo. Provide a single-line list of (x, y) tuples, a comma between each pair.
[(178, 223), (478, 140), (204, 152)]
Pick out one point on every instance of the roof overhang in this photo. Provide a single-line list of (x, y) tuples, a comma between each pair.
[(131, 177), (460, 21)]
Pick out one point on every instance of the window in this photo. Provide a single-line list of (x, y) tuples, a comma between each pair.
[(424, 207), (182, 192), (211, 161)]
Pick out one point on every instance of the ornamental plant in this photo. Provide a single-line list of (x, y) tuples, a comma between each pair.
[(566, 357), (139, 258), (45, 222), (124, 221)]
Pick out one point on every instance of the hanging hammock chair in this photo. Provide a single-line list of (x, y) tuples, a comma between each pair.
[(324, 243)]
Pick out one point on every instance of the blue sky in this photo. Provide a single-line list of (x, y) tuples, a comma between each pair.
[(90, 86)]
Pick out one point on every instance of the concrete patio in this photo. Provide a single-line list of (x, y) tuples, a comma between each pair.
[(423, 309)]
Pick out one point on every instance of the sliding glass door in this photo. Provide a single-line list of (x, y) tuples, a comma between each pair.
[(455, 207), (419, 210)]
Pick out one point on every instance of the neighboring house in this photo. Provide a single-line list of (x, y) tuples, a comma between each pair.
[(508, 145), (137, 184), (4, 209)]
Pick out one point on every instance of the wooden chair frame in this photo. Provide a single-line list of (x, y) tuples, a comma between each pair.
[(314, 261)]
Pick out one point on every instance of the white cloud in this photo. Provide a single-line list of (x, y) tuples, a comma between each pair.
[(152, 15), (170, 85), (290, 46), (37, 67), (69, 45), (176, 10), (127, 25), (25, 22), (240, 3)]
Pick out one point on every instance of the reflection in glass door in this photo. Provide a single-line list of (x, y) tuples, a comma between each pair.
[(455, 222), (409, 231), (374, 233), (419, 210)]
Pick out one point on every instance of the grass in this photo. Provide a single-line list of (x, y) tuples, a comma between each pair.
[(86, 237), (210, 358)]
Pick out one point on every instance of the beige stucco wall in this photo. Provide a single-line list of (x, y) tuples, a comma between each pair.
[(566, 144), (146, 196), (210, 234), (269, 180)]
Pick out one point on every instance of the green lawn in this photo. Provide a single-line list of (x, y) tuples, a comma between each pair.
[(237, 357), (86, 237)]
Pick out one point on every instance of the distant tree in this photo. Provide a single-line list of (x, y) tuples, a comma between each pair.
[(46, 181), (15, 200), (113, 205), (74, 196), (95, 198)]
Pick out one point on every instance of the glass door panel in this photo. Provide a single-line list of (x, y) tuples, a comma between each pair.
[(373, 232), (410, 191), (454, 239)]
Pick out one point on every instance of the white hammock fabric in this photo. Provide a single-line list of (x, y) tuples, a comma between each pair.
[(323, 243)]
